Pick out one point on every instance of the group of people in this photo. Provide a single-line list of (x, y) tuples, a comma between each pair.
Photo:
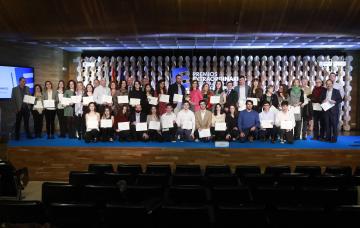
[(99, 112)]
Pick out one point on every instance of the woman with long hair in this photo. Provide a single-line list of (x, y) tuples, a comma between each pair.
[(60, 108), (195, 96), (161, 89), (38, 111)]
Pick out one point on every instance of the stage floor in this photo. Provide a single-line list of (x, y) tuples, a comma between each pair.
[(344, 142)]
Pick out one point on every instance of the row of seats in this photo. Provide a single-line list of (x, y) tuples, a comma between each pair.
[(118, 215)]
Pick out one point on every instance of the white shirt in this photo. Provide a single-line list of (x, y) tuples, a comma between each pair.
[(99, 92), (202, 112), (283, 116), (328, 94), (78, 106), (267, 116), (339, 87), (93, 118), (242, 95), (168, 117), (49, 97), (186, 115)]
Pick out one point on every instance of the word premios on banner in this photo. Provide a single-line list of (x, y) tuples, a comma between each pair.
[(211, 78)]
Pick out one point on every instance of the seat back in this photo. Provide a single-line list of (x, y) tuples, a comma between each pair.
[(134, 169), (158, 169), (100, 168), (217, 169), (188, 169), (21, 212), (59, 193)]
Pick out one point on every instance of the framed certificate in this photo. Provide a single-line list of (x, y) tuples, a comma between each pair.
[(123, 99), (29, 99), (49, 103), (154, 125), (134, 101), (204, 133), (286, 125), (87, 100), (164, 98), (141, 126), (124, 126), (214, 99), (177, 98), (220, 126), (106, 123), (76, 99), (188, 125), (153, 100)]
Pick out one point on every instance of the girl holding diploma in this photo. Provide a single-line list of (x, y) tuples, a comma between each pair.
[(285, 116), (296, 99), (50, 95), (206, 93), (270, 97), (107, 133), (195, 96), (219, 92), (89, 91), (37, 111), (218, 117), (231, 119), (256, 92), (60, 108), (92, 119), (137, 93), (148, 92), (69, 109), (121, 117), (154, 135), (161, 89)]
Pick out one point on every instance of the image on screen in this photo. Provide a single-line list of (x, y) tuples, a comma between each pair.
[(9, 78)]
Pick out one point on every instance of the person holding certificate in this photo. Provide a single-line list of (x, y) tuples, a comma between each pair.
[(37, 111), (185, 121), (99, 93), (106, 126), (153, 122), (296, 99), (230, 95), (285, 121), (332, 98), (242, 90), (122, 117), (203, 120), (139, 133), (148, 92), (22, 109), (177, 88), (218, 124), (267, 123), (50, 110), (123, 88), (256, 92), (168, 123), (207, 93), (248, 123), (318, 114), (161, 89), (195, 96), (137, 93), (69, 109), (60, 108), (282, 93), (114, 94), (89, 92), (270, 97), (306, 108), (78, 112), (92, 120), (231, 119)]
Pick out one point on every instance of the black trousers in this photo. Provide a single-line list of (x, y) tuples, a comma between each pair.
[(218, 135), (234, 133), (91, 135), (287, 135), (297, 129), (319, 125), (124, 136), (24, 113), (248, 133), (331, 125), (79, 125), (50, 121), (169, 135), (264, 134), (154, 135), (106, 134), (137, 135), (62, 122), (70, 122), (38, 122)]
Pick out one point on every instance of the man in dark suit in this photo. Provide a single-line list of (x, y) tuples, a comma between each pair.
[(22, 109), (138, 117), (242, 89), (331, 116), (177, 88), (231, 95)]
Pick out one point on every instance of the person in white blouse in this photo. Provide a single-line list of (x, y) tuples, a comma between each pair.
[(267, 118), (169, 133), (50, 111), (285, 115), (185, 121), (99, 93), (218, 117), (78, 112), (92, 120)]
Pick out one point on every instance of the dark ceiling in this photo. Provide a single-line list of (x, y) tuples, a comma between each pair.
[(110, 23)]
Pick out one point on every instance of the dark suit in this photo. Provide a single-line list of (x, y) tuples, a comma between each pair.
[(137, 135), (173, 89), (332, 115), (231, 98), (22, 109)]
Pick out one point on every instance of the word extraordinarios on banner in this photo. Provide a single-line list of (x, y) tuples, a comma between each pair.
[(202, 77)]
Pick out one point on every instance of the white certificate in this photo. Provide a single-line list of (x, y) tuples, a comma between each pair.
[(66, 101), (154, 125), (49, 103), (306, 100), (204, 133), (317, 107), (254, 100), (220, 126), (60, 96), (297, 110), (167, 123), (29, 99), (106, 123), (286, 124), (124, 126), (177, 98), (134, 101), (88, 100), (267, 123), (214, 99), (123, 99), (107, 99), (242, 105), (92, 124), (38, 105), (76, 99), (164, 98), (326, 106), (152, 100), (141, 126), (188, 125)]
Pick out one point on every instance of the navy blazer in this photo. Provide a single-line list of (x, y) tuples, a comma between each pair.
[(173, 89), (335, 97)]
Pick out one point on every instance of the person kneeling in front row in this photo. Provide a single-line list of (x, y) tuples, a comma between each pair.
[(92, 120), (248, 123), (285, 121)]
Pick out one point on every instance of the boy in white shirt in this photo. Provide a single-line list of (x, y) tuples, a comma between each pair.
[(266, 116), (169, 133), (285, 115), (185, 121)]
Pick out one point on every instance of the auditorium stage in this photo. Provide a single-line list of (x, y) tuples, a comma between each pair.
[(50, 160)]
